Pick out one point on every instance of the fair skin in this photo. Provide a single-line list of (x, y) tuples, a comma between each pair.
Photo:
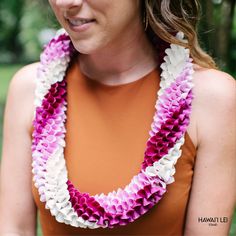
[(212, 127)]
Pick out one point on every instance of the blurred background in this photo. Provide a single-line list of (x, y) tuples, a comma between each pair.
[(27, 25)]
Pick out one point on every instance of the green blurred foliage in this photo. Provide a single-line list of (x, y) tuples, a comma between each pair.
[(37, 16), (232, 52), (217, 32), (21, 22), (10, 13)]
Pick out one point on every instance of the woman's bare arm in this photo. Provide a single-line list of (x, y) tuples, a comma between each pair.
[(17, 208), (213, 191)]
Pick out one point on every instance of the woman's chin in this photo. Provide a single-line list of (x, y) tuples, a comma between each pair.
[(86, 47)]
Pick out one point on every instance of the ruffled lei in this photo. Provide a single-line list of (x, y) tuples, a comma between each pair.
[(66, 203)]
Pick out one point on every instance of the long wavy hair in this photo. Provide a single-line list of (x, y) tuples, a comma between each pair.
[(164, 18)]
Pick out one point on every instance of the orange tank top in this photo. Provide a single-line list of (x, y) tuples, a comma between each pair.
[(107, 130)]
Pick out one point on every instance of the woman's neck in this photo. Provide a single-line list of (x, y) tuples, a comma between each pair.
[(121, 63)]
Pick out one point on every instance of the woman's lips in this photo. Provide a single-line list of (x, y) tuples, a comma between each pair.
[(80, 24)]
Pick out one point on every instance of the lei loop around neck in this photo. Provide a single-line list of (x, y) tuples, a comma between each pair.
[(67, 204)]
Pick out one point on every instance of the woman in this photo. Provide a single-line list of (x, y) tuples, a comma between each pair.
[(95, 91)]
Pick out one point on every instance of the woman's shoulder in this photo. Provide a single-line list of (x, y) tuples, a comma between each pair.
[(21, 93), (26, 76), (214, 117), (214, 102), (23, 82), (211, 78), (213, 87)]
